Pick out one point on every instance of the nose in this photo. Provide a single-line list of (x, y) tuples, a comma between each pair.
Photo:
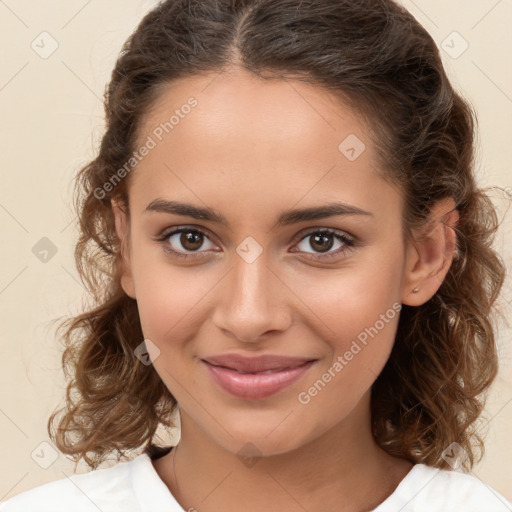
[(252, 301)]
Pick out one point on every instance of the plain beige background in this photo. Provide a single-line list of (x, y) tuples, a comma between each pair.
[(52, 121)]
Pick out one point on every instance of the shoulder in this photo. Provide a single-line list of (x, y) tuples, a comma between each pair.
[(428, 489), (104, 489)]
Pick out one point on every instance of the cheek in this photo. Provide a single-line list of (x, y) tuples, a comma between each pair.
[(169, 297), (169, 301), (355, 313), (343, 302), (360, 347)]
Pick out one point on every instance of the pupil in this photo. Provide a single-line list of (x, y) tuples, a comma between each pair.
[(323, 240), (191, 240)]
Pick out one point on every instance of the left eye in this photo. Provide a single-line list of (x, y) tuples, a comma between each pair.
[(322, 241)]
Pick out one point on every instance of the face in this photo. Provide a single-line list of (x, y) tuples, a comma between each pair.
[(325, 288)]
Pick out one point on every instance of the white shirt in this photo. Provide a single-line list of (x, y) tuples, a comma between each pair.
[(135, 486)]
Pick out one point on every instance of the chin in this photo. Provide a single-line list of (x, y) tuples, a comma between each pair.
[(251, 447), (273, 439)]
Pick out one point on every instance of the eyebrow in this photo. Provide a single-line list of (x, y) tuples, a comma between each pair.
[(286, 218)]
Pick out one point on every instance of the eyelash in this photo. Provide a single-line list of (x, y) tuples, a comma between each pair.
[(349, 243)]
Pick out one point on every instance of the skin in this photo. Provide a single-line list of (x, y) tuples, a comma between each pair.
[(251, 149)]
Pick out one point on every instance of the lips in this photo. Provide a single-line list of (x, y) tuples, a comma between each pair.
[(255, 378), (264, 363)]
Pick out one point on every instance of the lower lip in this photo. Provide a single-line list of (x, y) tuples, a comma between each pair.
[(254, 386)]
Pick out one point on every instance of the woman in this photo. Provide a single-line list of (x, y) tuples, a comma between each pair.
[(288, 247)]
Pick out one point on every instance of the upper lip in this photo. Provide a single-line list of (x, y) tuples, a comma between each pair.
[(256, 364)]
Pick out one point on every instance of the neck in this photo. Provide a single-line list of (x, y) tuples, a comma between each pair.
[(343, 465)]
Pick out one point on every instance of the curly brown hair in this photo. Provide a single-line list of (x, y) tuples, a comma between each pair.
[(377, 57)]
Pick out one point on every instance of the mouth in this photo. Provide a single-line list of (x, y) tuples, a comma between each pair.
[(256, 378)]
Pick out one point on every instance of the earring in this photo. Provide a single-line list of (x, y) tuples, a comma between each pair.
[(416, 290)]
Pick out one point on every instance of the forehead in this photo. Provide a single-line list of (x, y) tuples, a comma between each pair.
[(237, 105), (279, 140)]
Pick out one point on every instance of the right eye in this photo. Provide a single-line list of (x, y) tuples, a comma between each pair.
[(190, 239)]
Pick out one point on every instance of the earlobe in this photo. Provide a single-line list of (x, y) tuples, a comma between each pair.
[(430, 256), (123, 233)]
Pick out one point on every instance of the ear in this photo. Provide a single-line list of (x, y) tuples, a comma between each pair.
[(429, 257), (122, 222)]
